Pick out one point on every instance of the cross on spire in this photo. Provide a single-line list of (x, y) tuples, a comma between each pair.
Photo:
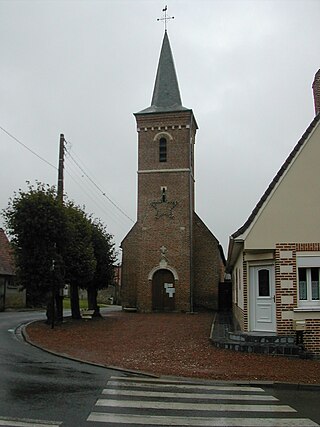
[(165, 18)]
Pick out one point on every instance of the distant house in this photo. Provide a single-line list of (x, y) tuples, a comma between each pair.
[(117, 284), (274, 257), (10, 295), (111, 294)]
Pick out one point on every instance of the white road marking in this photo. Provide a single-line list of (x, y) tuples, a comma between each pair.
[(212, 396), (193, 406), (128, 419), (165, 384), (254, 400)]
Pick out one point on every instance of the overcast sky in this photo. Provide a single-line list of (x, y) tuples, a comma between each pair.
[(83, 68)]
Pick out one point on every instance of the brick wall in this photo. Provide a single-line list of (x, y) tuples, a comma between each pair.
[(312, 333), (176, 128), (287, 294), (207, 266), (311, 336), (161, 223), (286, 286), (130, 256), (167, 223)]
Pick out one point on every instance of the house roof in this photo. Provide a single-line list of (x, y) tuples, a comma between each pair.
[(276, 179), (166, 93), (6, 256)]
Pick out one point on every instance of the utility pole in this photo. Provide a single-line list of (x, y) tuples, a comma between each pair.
[(53, 296), (60, 168), (60, 285)]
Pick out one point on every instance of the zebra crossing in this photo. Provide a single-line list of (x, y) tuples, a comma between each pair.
[(149, 402)]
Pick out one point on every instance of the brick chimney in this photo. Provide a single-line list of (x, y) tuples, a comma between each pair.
[(316, 92)]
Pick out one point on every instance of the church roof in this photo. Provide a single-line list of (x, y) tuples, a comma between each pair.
[(166, 94)]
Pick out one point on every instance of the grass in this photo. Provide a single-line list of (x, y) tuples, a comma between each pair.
[(83, 303)]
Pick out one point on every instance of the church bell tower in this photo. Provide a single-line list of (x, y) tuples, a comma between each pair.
[(158, 252)]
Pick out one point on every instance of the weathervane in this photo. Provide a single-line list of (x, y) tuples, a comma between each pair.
[(165, 18)]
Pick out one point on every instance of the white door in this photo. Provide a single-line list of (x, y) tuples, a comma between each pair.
[(262, 299)]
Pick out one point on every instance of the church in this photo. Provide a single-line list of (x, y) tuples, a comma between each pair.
[(170, 259)]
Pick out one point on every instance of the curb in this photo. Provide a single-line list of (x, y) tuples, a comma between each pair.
[(21, 330), (212, 326)]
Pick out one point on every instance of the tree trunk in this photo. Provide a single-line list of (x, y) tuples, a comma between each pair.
[(74, 300), (92, 301), (59, 305), (50, 313)]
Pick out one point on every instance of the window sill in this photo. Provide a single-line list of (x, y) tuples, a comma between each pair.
[(304, 309)]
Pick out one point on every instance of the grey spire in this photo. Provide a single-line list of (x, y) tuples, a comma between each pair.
[(166, 94)]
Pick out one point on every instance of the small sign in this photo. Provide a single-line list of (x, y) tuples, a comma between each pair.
[(168, 285), (171, 292)]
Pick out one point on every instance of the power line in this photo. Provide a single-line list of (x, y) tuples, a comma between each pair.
[(97, 187), (88, 191), (77, 164), (29, 149)]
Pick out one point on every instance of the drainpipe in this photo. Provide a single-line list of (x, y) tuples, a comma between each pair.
[(191, 215)]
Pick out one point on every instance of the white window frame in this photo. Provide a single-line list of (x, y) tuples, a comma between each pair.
[(308, 262)]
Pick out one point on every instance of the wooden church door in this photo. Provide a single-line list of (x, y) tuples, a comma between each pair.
[(163, 291)]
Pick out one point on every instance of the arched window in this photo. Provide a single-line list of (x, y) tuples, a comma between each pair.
[(162, 150)]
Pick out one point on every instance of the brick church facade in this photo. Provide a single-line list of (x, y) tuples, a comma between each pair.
[(171, 261)]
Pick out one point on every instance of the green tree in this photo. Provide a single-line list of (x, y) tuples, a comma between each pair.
[(35, 221), (56, 244), (104, 254), (78, 254)]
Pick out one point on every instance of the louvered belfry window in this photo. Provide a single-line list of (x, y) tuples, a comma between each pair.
[(162, 150)]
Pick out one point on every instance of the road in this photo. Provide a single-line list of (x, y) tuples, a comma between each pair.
[(54, 391), (37, 385)]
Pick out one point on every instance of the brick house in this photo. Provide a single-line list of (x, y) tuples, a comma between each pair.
[(171, 260), (274, 257), (10, 295)]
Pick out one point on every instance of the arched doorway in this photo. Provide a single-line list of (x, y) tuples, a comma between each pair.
[(163, 291)]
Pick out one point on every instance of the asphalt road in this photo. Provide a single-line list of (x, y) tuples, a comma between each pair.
[(305, 400), (37, 385)]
